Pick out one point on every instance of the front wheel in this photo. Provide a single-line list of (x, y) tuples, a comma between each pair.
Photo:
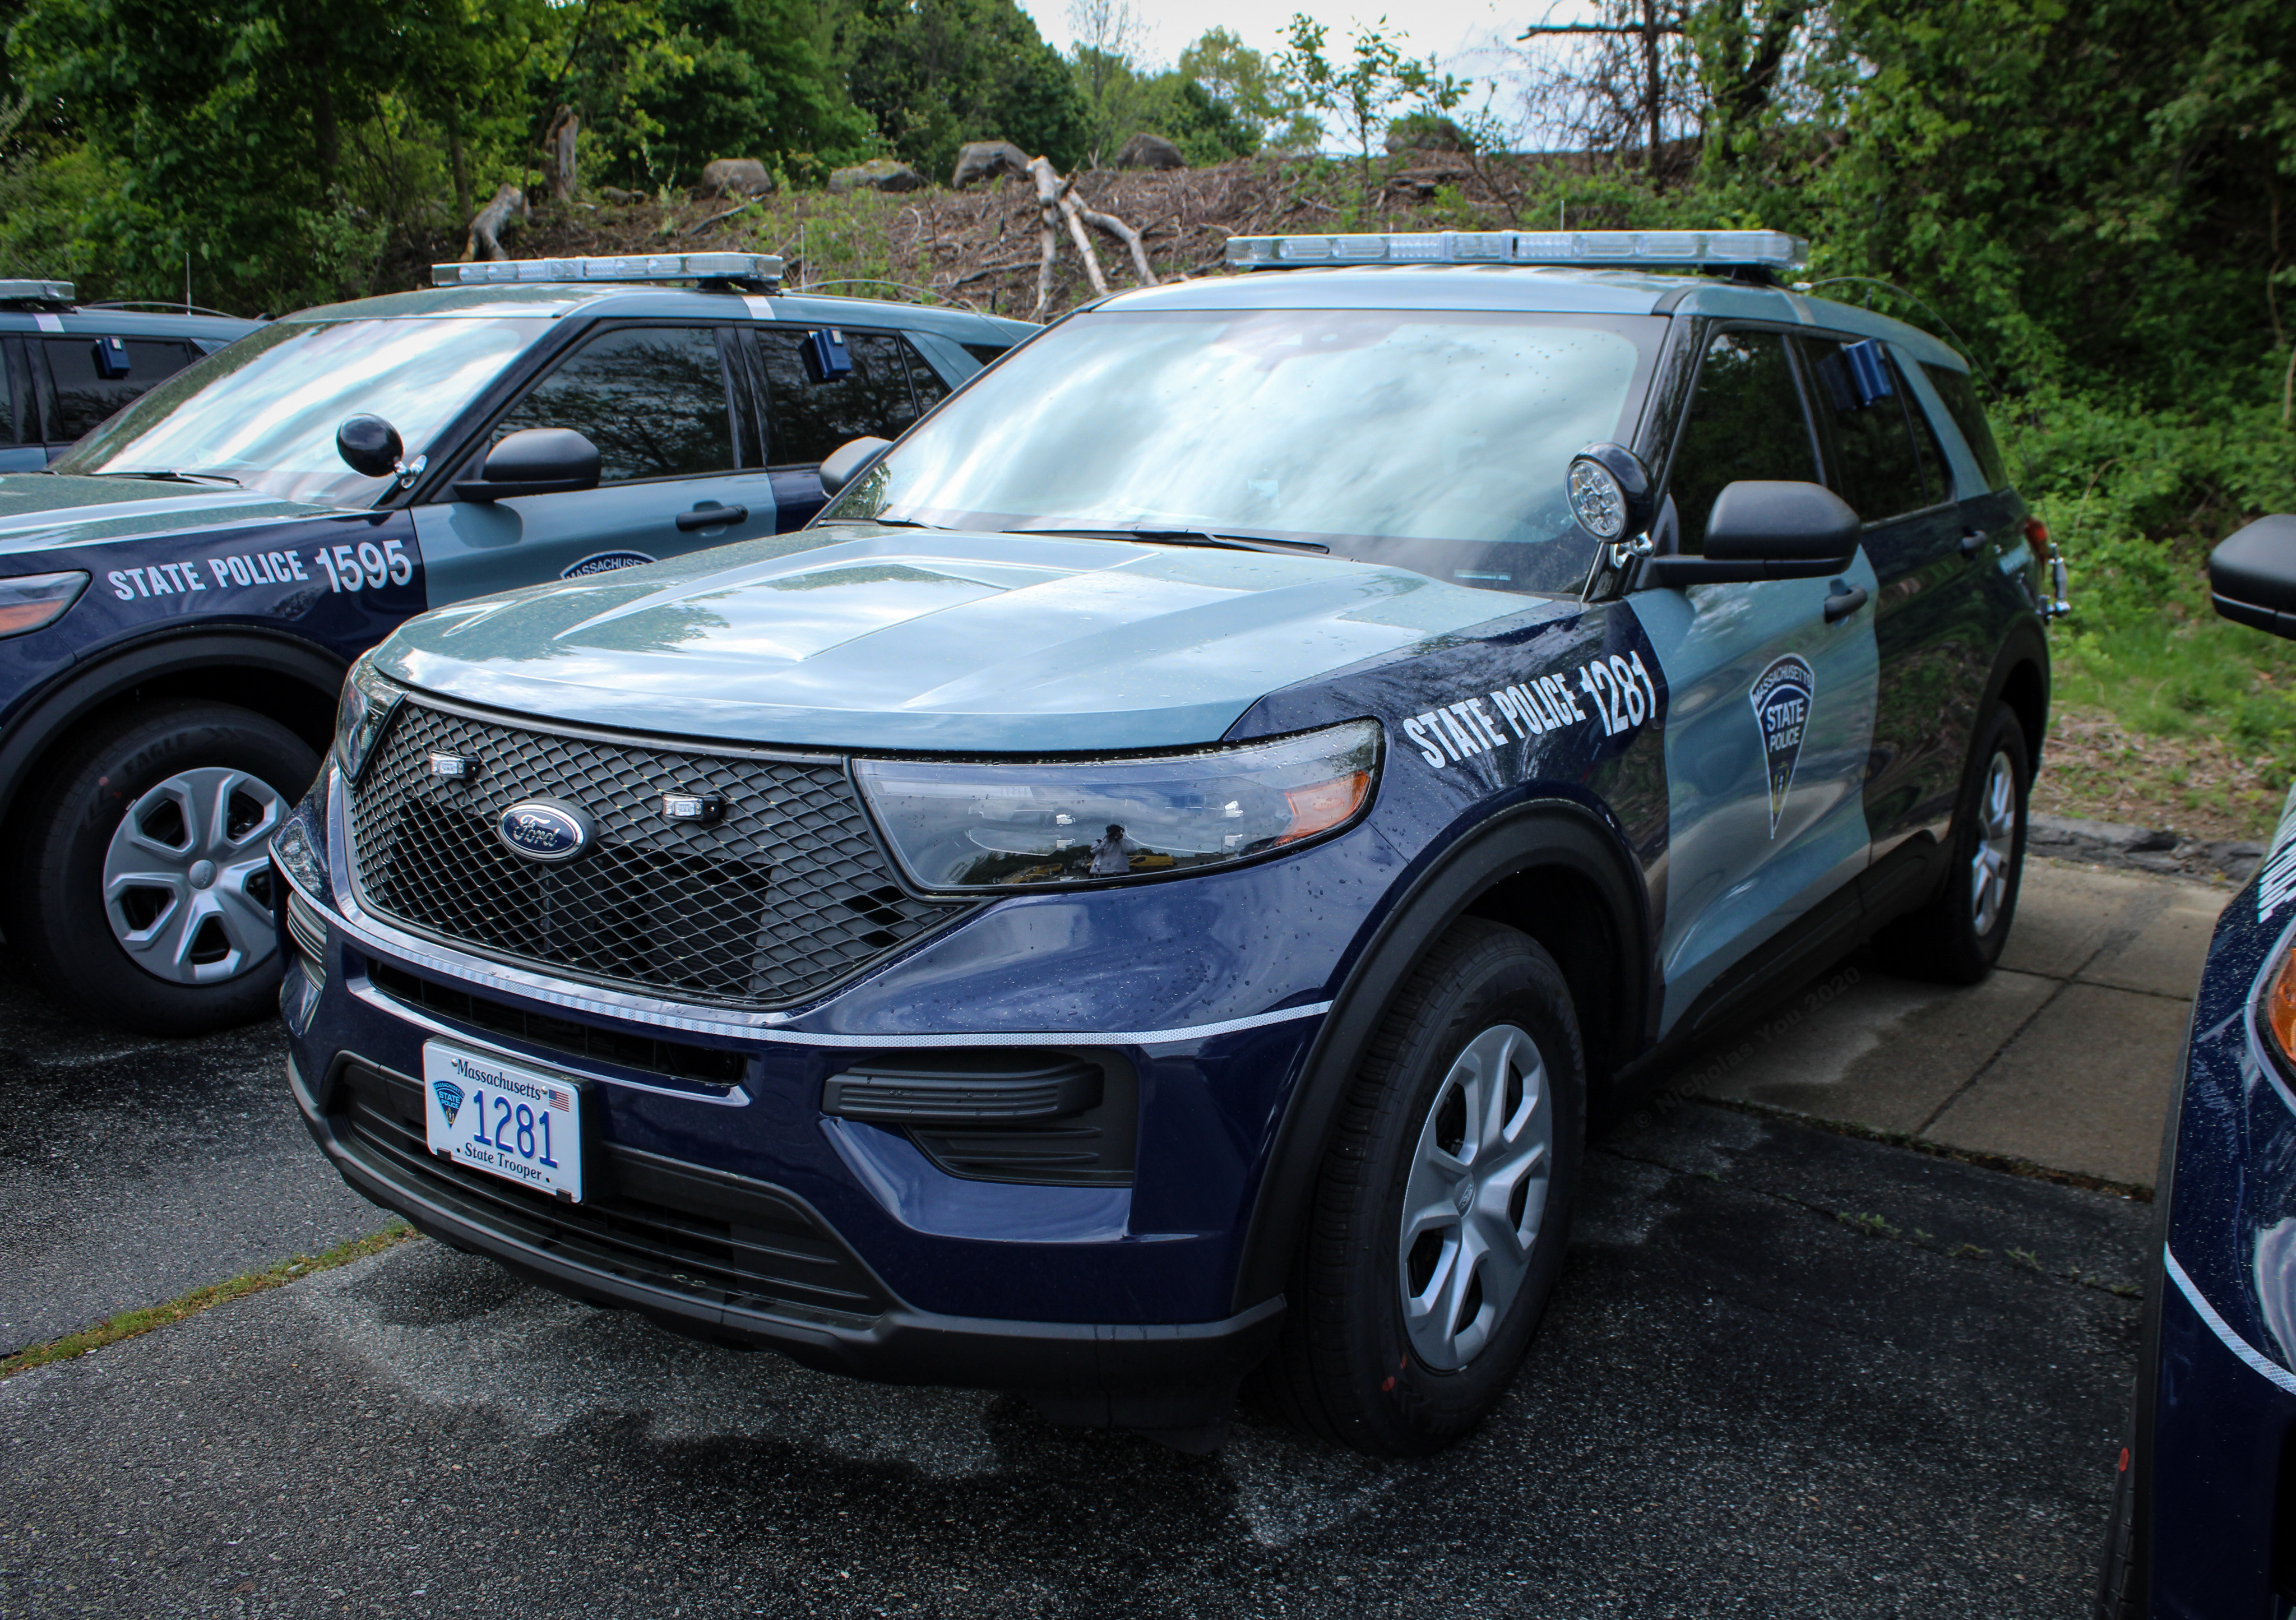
[(1957, 937), (141, 890), (1443, 1205)]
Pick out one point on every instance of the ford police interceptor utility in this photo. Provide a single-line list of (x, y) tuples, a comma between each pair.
[(1145, 887), (2204, 1504), (179, 597), (65, 367)]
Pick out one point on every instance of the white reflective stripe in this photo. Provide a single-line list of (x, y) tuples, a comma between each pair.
[(379, 937), (2272, 1369)]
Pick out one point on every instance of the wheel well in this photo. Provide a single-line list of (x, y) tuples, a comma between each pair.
[(2027, 697), (1566, 913)]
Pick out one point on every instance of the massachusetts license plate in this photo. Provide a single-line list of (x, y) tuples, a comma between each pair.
[(521, 1124)]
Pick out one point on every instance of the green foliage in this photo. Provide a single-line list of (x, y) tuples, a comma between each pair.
[(935, 74), (1120, 101), (1364, 90)]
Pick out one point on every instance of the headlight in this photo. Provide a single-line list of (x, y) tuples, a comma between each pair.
[(299, 847), (366, 706), (30, 601), (1034, 826)]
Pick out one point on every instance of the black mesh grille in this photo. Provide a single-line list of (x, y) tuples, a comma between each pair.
[(783, 897)]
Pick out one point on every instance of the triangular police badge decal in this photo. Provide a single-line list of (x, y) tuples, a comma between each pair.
[(450, 1099), (1781, 697)]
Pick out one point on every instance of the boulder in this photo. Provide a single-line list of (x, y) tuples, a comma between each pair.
[(1144, 151), (1426, 132), (619, 198), (987, 160), (734, 178), (877, 175)]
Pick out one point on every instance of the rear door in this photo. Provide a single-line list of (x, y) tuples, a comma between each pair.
[(1884, 459), (1770, 715), (82, 377), (812, 409), (21, 450), (681, 467)]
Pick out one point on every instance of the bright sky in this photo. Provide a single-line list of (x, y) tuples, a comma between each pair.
[(1454, 31)]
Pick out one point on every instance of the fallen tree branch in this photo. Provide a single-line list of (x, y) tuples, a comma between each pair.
[(1111, 225), (507, 208), (1057, 208), (986, 271), (696, 229)]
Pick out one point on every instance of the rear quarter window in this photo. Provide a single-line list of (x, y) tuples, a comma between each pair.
[(1960, 396)]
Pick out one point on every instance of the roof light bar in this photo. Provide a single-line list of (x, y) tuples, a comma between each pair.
[(758, 269), (45, 292), (1773, 250)]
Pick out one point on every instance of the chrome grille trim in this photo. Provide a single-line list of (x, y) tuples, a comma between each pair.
[(785, 897)]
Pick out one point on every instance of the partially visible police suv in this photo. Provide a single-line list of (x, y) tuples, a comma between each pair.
[(180, 595), (64, 367), (1147, 886)]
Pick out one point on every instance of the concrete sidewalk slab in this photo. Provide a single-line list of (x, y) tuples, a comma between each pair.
[(2065, 1057)]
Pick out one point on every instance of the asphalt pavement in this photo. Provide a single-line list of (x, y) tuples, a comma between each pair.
[(1789, 1371)]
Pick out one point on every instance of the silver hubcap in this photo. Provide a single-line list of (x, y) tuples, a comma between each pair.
[(187, 881), (1996, 844), (1474, 1197)]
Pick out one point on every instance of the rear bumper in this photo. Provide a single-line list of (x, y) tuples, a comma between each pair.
[(1151, 1376)]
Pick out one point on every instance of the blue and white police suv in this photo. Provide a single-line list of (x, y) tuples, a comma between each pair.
[(180, 595), (1145, 888)]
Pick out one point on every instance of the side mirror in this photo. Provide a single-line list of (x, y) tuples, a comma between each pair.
[(1766, 529), (534, 461), (1611, 493), (2252, 576), (370, 445), (848, 461)]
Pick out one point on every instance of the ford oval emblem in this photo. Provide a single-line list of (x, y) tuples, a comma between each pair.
[(544, 829)]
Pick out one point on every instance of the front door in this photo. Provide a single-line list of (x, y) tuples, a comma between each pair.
[(677, 472), (1770, 716)]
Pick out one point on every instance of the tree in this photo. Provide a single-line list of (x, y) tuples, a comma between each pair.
[(1364, 90), (1241, 81), (934, 74)]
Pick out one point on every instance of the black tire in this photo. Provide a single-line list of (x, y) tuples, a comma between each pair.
[(1943, 942), (55, 913), (1348, 1368)]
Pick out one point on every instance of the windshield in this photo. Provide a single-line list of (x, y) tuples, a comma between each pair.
[(263, 412), (1435, 441)]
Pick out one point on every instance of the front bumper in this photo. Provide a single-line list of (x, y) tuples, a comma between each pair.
[(1143, 1376)]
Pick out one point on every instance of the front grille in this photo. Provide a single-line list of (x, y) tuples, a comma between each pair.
[(719, 1239), (783, 896)]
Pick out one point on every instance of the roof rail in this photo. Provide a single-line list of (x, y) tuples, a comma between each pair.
[(1768, 251), (753, 270)]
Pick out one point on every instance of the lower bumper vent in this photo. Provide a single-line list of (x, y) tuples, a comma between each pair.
[(1057, 1118)]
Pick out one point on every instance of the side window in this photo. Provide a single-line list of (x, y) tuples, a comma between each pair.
[(8, 435), (1881, 464), (85, 396), (1960, 396), (1746, 421), (924, 382), (652, 399), (811, 414)]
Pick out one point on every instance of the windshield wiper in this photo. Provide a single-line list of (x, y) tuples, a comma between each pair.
[(1183, 536), (884, 522), (175, 478)]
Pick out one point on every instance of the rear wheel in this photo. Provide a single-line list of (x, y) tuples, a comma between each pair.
[(1957, 937), (1443, 1205), (141, 890)]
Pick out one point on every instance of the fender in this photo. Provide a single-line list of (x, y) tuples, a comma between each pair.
[(47, 717), (1540, 832)]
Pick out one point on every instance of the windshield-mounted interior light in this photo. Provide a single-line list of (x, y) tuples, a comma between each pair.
[(1770, 250), (1003, 827), (757, 271)]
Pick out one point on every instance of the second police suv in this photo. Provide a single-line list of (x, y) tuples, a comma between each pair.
[(180, 593), (1146, 887)]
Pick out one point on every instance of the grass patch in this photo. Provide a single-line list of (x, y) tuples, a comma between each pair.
[(130, 1324)]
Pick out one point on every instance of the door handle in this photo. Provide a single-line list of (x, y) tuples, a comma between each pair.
[(1843, 601), (1970, 539), (711, 517)]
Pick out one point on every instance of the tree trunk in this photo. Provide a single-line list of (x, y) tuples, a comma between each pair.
[(507, 209), (458, 160), (560, 144)]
